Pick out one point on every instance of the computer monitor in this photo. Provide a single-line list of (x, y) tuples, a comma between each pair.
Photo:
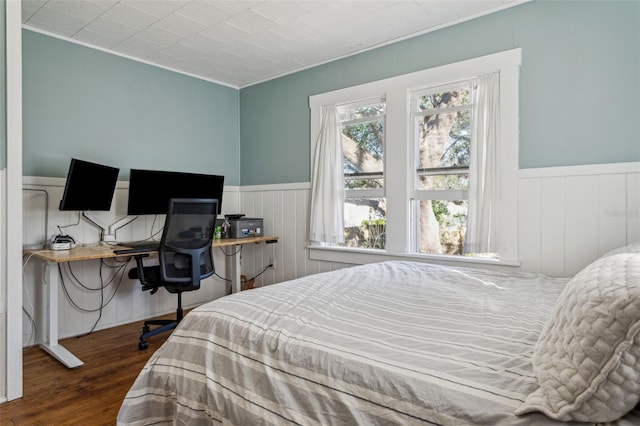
[(151, 190), (89, 187)]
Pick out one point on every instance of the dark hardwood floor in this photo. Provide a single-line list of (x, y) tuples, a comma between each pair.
[(88, 395)]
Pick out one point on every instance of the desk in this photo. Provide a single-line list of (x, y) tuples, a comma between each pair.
[(49, 306)]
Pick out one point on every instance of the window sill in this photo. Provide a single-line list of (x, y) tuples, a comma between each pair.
[(362, 256)]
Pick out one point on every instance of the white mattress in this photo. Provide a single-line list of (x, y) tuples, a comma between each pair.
[(387, 343)]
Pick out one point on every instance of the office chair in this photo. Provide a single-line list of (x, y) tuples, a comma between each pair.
[(185, 257)]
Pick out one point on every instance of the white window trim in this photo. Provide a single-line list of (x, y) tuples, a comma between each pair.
[(397, 91)]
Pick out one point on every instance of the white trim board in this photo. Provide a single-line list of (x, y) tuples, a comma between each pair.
[(12, 217), (580, 170)]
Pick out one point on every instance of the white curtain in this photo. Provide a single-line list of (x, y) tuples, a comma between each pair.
[(327, 184), (484, 191)]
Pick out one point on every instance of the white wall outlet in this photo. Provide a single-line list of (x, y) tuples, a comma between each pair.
[(272, 262)]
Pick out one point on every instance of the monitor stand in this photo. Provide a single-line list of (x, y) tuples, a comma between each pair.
[(108, 233), (120, 223)]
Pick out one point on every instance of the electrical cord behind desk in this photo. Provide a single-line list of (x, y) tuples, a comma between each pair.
[(53, 283)]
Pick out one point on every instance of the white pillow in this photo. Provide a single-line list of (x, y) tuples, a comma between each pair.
[(629, 248), (587, 359)]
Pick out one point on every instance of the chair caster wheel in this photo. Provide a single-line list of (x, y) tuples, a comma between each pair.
[(143, 345)]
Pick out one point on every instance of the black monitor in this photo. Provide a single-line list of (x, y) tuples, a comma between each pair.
[(151, 190), (89, 187)]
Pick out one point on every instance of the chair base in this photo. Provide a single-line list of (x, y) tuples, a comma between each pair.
[(163, 325)]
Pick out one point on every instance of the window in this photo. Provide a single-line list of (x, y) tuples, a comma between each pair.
[(362, 128), (441, 124), (413, 171)]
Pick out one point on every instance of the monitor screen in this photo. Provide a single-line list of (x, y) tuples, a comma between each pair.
[(89, 186), (151, 190)]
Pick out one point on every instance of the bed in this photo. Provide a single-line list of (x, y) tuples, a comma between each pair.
[(405, 343)]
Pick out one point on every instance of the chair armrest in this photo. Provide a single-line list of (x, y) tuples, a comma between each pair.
[(138, 273)]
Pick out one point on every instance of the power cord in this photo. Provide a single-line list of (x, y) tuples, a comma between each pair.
[(263, 271), (119, 275), (34, 326), (248, 279)]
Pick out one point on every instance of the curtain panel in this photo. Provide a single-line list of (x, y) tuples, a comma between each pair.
[(327, 183), (484, 191)]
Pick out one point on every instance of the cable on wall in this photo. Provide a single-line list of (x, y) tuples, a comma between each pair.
[(43, 243), (27, 298)]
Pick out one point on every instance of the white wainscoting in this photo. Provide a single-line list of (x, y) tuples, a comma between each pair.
[(3, 290), (571, 215), (567, 217), (127, 303)]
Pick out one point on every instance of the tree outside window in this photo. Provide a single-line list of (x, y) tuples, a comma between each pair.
[(363, 152), (442, 155)]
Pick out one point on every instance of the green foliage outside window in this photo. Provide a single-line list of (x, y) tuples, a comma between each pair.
[(370, 234)]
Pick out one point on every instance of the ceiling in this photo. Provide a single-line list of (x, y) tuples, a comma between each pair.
[(240, 43)]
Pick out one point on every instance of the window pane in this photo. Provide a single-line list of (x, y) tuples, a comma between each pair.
[(444, 140), (364, 112), (362, 147), (362, 183), (365, 222), (444, 182), (445, 99), (363, 162), (442, 225)]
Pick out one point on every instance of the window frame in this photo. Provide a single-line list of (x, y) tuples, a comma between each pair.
[(418, 194), (399, 170), (368, 192)]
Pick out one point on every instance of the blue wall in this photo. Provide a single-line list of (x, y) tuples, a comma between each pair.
[(579, 86), (84, 103)]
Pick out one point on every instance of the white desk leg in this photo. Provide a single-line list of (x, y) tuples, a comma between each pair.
[(232, 265), (50, 311)]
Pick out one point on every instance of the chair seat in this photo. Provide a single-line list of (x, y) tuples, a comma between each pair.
[(154, 281)]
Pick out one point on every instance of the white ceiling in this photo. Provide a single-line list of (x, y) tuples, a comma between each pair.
[(240, 43)]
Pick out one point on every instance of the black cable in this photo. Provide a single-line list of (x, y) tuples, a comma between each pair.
[(77, 280), (222, 278), (34, 326), (102, 303), (66, 292), (119, 273), (155, 218), (67, 226), (95, 324), (263, 271), (103, 285), (232, 254), (247, 280)]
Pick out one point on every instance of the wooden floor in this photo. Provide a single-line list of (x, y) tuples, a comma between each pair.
[(88, 395)]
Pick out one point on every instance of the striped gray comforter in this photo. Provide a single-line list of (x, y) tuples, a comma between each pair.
[(387, 343)]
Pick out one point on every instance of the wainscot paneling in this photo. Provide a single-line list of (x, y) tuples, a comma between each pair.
[(3, 324), (567, 217), (87, 285)]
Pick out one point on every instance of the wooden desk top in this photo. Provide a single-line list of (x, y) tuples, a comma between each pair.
[(105, 251)]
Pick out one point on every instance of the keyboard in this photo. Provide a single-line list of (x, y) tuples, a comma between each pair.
[(137, 247)]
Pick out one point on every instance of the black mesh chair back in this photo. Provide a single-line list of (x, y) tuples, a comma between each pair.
[(185, 252), (185, 257)]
